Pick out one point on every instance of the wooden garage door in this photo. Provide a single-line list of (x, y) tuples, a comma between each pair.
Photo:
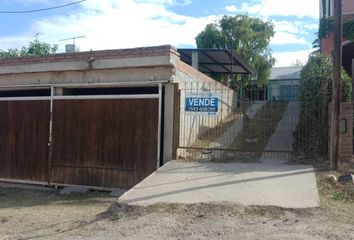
[(24, 132), (104, 142)]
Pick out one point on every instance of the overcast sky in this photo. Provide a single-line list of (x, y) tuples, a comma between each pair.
[(111, 24)]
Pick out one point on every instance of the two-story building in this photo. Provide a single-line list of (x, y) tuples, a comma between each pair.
[(326, 30)]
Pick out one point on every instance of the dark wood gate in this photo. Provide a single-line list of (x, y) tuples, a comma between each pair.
[(108, 143), (23, 140), (102, 141)]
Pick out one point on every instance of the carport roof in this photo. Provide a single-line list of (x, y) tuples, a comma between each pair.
[(216, 61)]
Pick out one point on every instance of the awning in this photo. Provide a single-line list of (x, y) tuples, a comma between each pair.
[(216, 61)]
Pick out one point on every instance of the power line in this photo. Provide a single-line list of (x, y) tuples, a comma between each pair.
[(263, 5), (42, 9)]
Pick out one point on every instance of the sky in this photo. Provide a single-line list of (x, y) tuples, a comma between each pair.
[(115, 24)]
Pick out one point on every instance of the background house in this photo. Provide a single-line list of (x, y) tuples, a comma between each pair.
[(283, 83)]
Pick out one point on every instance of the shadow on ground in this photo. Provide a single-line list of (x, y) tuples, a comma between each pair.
[(19, 198)]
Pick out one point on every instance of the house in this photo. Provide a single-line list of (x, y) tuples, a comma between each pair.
[(283, 83), (326, 31), (105, 119), (326, 38)]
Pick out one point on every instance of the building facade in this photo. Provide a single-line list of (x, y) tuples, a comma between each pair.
[(326, 28), (283, 83), (104, 119)]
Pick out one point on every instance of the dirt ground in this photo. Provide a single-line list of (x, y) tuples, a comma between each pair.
[(37, 214)]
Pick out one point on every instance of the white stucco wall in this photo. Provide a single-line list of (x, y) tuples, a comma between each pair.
[(192, 125)]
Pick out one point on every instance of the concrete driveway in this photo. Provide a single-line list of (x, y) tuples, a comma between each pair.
[(288, 186), (283, 137)]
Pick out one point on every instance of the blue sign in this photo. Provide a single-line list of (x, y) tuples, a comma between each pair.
[(202, 104)]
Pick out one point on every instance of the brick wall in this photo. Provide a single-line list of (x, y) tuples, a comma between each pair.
[(327, 44), (348, 6), (347, 137), (189, 70)]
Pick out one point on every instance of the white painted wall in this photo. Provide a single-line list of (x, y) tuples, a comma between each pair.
[(193, 125)]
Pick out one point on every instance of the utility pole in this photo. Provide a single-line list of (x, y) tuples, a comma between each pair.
[(232, 60), (353, 80), (336, 84)]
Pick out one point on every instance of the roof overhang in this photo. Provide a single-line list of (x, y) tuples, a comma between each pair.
[(217, 61)]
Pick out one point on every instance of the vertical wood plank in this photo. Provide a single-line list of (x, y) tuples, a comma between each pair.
[(24, 132), (105, 143)]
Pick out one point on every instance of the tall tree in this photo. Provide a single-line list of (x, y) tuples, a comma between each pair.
[(34, 48), (247, 36)]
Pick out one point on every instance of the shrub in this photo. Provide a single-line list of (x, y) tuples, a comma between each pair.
[(315, 95)]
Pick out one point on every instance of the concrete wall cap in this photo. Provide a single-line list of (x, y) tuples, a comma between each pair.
[(163, 50)]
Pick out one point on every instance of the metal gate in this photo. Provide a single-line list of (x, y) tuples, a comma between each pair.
[(254, 124)]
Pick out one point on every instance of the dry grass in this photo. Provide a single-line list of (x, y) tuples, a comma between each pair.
[(253, 138), (28, 214), (257, 131), (214, 133), (261, 127), (331, 190), (208, 138), (15, 197)]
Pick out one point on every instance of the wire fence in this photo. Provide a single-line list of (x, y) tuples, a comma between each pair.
[(254, 124)]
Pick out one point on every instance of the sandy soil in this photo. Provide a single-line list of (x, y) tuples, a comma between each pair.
[(30, 214)]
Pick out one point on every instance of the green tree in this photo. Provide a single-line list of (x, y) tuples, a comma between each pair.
[(12, 52), (316, 81), (247, 36), (34, 48)]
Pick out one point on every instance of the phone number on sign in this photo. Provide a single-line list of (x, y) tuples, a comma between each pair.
[(201, 109)]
